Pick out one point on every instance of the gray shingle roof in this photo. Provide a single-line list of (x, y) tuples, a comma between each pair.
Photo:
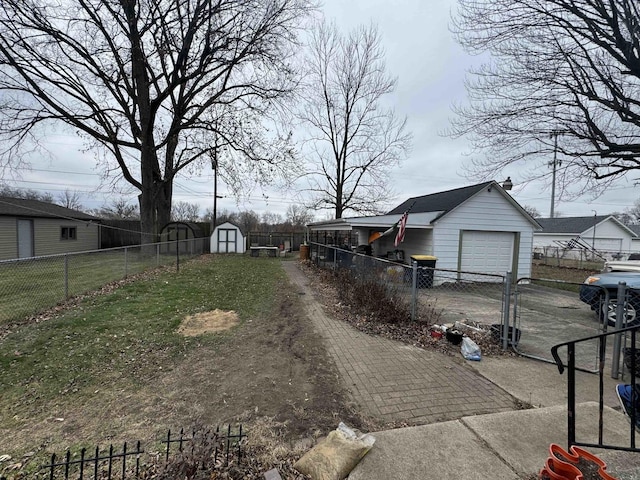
[(634, 228), (573, 225), (22, 207), (439, 202)]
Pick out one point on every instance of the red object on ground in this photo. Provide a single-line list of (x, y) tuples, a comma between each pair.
[(557, 469)]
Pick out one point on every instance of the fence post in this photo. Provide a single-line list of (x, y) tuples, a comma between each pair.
[(126, 263), (157, 254), (66, 276), (414, 290), (178, 256), (620, 323), (505, 313)]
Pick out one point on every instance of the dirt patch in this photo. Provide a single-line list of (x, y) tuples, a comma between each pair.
[(272, 370), (208, 322)]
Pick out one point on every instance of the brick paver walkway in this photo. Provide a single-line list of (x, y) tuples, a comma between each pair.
[(393, 381)]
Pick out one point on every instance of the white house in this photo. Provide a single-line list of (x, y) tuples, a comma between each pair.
[(228, 238), (479, 228), (573, 237)]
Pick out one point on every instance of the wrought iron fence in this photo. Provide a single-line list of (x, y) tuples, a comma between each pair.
[(433, 295), (216, 448), (30, 285), (628, 392)]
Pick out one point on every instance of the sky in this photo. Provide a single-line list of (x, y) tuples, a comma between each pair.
[(430, 68)]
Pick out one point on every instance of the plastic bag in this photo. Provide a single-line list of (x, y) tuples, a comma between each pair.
[(334, 457), (470, 349)]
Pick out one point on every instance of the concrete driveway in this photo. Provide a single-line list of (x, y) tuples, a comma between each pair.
[(545, 316)]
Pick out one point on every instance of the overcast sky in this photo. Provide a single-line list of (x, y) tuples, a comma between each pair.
[(431, 70)]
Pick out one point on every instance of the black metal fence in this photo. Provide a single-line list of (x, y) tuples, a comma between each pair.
[(631, 404), (216, 448)]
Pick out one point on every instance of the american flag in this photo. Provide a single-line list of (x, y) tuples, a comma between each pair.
[(402, 224)]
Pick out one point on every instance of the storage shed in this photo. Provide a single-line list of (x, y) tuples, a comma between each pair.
[(30, 228), (228, 238), (479, 228)]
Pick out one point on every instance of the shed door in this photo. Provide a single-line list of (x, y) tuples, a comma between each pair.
[(227, 240), (487, 252), (25, 238)]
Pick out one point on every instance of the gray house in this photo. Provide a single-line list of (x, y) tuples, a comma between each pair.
[(31, 228), (479, 228)]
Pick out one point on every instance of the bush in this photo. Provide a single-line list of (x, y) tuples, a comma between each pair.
[(376, 300)]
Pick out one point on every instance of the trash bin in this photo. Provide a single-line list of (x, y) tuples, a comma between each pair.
[(425, 275)]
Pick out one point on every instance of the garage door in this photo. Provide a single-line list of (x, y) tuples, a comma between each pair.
[(487, 252), (607, 244)]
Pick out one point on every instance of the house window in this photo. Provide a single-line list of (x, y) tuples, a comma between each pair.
[(68, 233)]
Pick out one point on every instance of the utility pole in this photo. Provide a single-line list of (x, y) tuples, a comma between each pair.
[(554, 164), (214, 165), (593, 240)]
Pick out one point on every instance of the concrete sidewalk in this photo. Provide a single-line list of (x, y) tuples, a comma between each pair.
[(470, 426), (502, 446)]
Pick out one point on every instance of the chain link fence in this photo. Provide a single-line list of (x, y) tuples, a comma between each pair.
[(547, 312), (432, 295), (30, 285), (528, 315), (575, 257)]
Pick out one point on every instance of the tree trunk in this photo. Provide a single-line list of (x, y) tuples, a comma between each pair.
[(163, 205)]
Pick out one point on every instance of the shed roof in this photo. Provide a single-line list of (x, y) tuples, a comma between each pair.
[(577, 225), (24, 207)]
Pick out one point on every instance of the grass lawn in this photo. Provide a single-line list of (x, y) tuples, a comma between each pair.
[(114, 367), (28, 286), (566, 278)]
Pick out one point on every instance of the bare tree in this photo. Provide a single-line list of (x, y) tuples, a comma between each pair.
[(531, 210), (630, 215), (224, 215), (155, 87), (248, 220), (6, 191), (119, 209), (565, 71), (298, 216), (69, 199), (270, 220), (355, 140), (185, 212)]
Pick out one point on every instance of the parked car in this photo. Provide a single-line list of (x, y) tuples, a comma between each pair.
[(592, 292), (631, 264)]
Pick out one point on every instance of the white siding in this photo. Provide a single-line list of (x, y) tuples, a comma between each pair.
[(488, 211), (416, 242), (605, 234)]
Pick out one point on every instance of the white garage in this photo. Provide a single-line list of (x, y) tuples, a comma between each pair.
[(227, 238), (478, 229)]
